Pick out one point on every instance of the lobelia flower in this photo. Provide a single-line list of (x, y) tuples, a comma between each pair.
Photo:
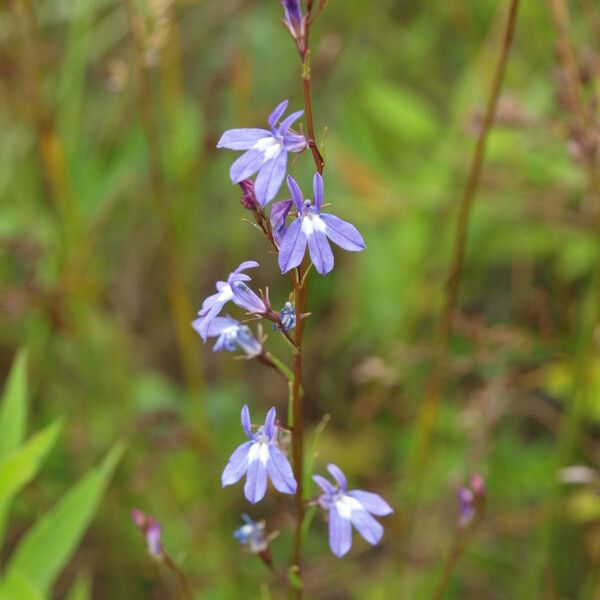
[(347, 508), (150, 529), (266, 152), (231, 334), (248, 198), (234, 289), (294, 20), (312, 228), (472, 500), (252, 534), (287, 318), (277, 215), (258, 458)]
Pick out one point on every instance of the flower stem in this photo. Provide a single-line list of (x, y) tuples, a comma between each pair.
[(433, 393), (183, 580), (459, 546), (297, 429)]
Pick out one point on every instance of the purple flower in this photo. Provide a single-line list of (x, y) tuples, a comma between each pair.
[(350, 508), (266, 152), (248, 199), (312, 228), (234, 289), (150, 529), (293, 18), (287, 318), (231, 335), (252, 534), (258, 458), (277, 216), (472, 500)]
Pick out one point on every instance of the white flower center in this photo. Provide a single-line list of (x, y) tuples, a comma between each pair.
[(269, 146), (225, 294), (259, 451), (311, 223), (346, 504)]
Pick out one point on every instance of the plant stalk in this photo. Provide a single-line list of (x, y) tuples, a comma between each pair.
[(433, 393)]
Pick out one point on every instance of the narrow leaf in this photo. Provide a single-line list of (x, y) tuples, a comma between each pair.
[(13, 411), (17, 587), (48, 546), (19, 467)]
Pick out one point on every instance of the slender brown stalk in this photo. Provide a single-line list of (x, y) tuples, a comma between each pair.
[(300, 299), (179, 301), (186, 588), (433, 392), (459, 546)]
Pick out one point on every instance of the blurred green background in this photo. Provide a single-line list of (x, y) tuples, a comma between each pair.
[(117, 216)]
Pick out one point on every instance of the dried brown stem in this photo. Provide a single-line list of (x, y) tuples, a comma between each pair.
[(433, 392)]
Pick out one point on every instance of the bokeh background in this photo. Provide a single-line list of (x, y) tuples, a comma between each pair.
[(117, 216)]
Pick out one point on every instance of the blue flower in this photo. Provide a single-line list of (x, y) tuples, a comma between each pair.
[(294, 19), (312, 228), (258, 458), (266, 152), (231, 335), (252, 534), (347, 508), (471, 499), (287, 318), (149, 527), (234, 289)]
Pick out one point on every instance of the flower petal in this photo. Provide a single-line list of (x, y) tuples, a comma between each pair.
[(323, 484), (338, 475), (294, 142), (256, 481), (320, 252), (270, 177), (318, 191), (296, 192), (242, 139), (289, 121), (373, 503), (276, 115), (367, 526), (246, 422), (270, 422), (247, 264), (237, 465), (246, 165), (278, 216), (202, 324), (244, 297), (340, 533), (218, 324), (293, 247), (280, 471), (343, 234), (208, 303)]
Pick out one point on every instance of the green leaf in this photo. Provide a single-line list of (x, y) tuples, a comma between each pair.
[(13, 418), (13, 412), (82, 589), (18, 587), (19, 467), (47, 547)]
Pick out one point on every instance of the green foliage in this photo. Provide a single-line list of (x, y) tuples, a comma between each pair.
[(85, 268), (46, 548)]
